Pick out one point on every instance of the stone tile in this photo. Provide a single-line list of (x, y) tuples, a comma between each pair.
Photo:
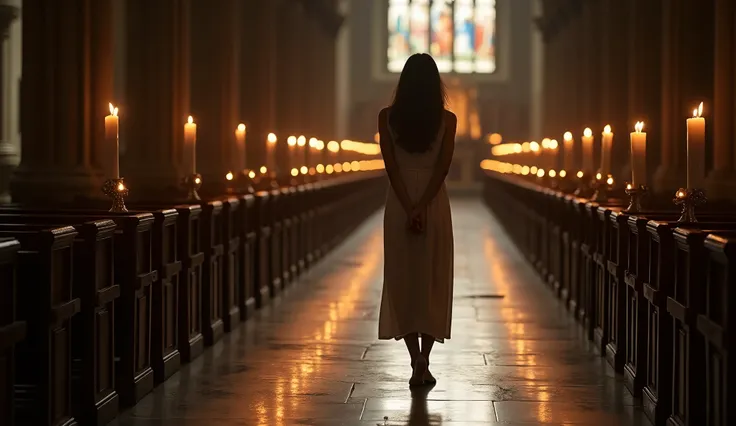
[(311, 357)]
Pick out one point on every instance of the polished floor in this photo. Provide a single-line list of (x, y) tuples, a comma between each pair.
[(312, 357)]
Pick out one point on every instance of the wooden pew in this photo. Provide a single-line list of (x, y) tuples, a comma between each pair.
[(135, 274), (715, 324), (232, 224), (262, 280), (275, 258), (45, 303), (11, 330), (213, 272), (288, 225), (248, 251), (301, 248)]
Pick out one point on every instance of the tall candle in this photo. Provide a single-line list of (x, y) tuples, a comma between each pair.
[(293, 160), (588, 150), (334, 148), (240, 134), (606, 143), (696, 149), (190, 145), (638, 156), (569, 143), (554, 151), (301, 143), (112, 126), (271, 141)]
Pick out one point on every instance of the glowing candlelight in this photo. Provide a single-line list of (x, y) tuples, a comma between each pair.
[(190, 145), (606, 143), (112, 126), (568, 143), (696, 149), (638, 156), (588, 150)]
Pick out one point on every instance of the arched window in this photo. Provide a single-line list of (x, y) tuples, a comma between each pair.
[(459, 34)]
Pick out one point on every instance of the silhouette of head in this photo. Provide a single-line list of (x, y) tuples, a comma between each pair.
[(419, 103)]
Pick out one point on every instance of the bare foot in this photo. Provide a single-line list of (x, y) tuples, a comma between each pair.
[(420, 368)]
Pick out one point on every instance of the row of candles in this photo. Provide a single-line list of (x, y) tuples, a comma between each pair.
[(311, 156), (548, 151)]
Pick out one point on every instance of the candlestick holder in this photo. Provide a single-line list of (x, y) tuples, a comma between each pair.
[(192, 183), (584, 188), (636, 194), (602, 187), (689, 199), (116, 190)]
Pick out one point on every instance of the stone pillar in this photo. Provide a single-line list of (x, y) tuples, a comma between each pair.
[(156, 103), (590, 68), (259, 27), (644, 87), (9, 149), (290, 69), (722, 179), (687, 79), (67, 84), (215, 88)]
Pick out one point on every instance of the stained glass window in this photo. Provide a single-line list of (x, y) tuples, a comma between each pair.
[(459, 34)]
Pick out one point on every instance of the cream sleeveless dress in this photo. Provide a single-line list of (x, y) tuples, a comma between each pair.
[(418, 268)]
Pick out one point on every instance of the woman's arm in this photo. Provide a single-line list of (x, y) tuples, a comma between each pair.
[(392, 167), (443, 163)]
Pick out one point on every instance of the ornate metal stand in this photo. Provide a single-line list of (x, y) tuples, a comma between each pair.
[(117, 191), (192, 183), (689, 199), (636, 194)]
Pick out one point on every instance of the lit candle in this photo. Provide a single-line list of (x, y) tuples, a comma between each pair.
[(696, 149), (112, 125), (638, 156), (588, 150), (554, 149), (271, 140), (334, 148), (569, 151), (301, 143), (240, 134), (291, 142), (606, 143), (190, 145)]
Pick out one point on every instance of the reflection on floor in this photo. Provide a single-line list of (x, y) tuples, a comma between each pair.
[(312, 357)]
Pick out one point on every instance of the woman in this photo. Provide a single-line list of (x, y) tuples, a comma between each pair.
[(417, 143)]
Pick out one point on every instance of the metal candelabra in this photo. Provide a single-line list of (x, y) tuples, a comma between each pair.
[(688, 199), (116, 190)]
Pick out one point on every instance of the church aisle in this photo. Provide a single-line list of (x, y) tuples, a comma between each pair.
[(312, 357)]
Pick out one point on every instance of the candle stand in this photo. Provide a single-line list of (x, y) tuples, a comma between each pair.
[(244, 183), (636, 194), (689, 199), (192, 183), (603, 188), (116, 190), (584, 188)]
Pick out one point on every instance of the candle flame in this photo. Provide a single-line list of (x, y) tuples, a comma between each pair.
[(251, 174), (301, 140), (333, 146), (190, 120), (567, 136), (294, 172), (241, 127), (607, 129), (639, 126), (697, 112), (197, 180), (320, 145), (540, 173), (580, 174), (598, 176), (229, 176), (312, 142), (552, 173), (291, 141), (113, 110), (271, 138), (545, 143), (587, 132), (534, 146), (320, 168), (304, 170), (609, 181), (680, 194), (628, 186), (121, 187), (263, 170), (553, 144), (563, 173)]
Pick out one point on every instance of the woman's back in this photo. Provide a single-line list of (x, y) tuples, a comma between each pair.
[(426, 160)]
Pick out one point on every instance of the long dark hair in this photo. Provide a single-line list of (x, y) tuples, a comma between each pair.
[(419, 104)]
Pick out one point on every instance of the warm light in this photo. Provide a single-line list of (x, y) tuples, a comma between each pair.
[(552, 173), (563, 173), (320, 168), (114, 111), (680, 194), (229, 176), (525, 170), (312, 142), (190, 120), (333, 146), (346, 166), (534, 146), (301, 140), (553, 144), (320, 145), (377, 137), (533, 170), (540, 173), (241, 127), (121, 187), (304, 170), (525, 147), (251, 174), (517, 148), (607, 129), (545, 143), (294, 172), (567, 136), (197, 180), (609, 181), (291, 140), (312, 172), (263, 170), (338, 167), (628, 186), (587, 132), (639, 126), (271, 138), (697, 112), (598, 176), (355, 166), (580, 174), (329, 169), (495, 139)]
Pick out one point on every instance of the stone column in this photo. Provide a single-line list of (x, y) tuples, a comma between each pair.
[(722, 179), (215, 88), (156, 103), (290, 69), (259, 27), (644, 87), (67, 84), (9, 150), (687, 79), (590, 68)]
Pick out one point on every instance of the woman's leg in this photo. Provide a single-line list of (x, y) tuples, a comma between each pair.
[(412, 344), (427, 343)]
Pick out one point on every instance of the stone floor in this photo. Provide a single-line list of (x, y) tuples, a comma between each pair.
[(312, 357)]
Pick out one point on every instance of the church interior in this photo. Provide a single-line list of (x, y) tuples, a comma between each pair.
[(192, 195)]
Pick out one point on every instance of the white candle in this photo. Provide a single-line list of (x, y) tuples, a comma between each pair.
[(301, 143), (334, 148), (638, 156), (190, 145), (569, 151), (112, 126), (239, 161), (271, 141), (293, 161), (696, 149), (606, 143), (588, 150), (554, 150)]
